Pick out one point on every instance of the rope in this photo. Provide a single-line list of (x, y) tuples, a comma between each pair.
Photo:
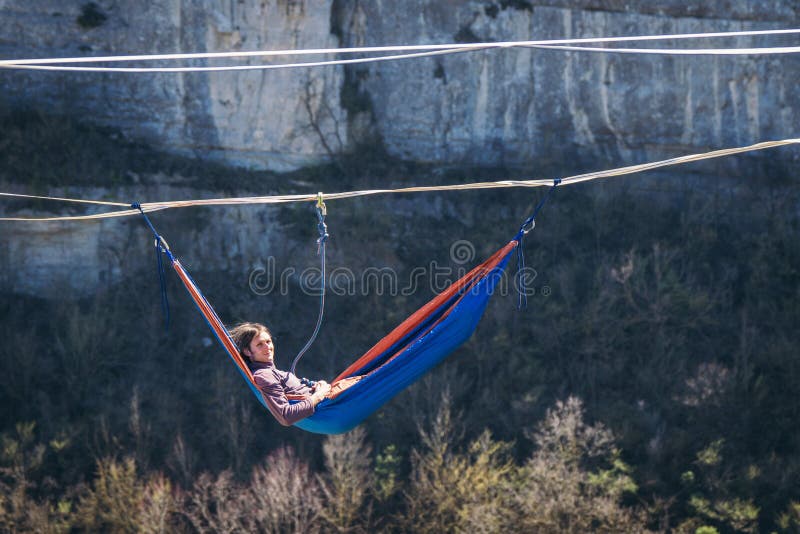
[(322, 211), (527, 226), (160, 246), (100, 202), (240, 67), (398, 48), (659, 51), (415, 51), (281, 199), (680, 51)]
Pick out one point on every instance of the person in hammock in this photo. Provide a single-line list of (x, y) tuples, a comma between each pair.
[(254, 342)]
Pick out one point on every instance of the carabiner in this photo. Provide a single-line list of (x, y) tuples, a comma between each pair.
[(528, 226), (321, 204)]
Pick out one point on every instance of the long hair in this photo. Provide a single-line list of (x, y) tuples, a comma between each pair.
[(242, 334)]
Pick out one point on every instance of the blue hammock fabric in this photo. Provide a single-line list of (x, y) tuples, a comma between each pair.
[(397, 360), (438, 334)]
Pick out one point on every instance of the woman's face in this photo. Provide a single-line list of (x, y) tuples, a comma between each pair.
[(261, 348)]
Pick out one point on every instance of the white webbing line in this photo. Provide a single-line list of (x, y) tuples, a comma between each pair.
[(68, 218), (242, 67), (658, 51), (101, 202), (445, 48), (279, 199), (679, 51)]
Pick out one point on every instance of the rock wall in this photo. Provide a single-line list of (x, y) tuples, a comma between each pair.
[(255, 118), (526, 107), (510, 107), (67, 260), (533, 109)]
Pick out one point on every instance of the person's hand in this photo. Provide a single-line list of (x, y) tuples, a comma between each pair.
[(318, 384), (321, 389)]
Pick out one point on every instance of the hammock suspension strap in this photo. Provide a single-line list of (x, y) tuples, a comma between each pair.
[(161, 246), (527, 226), (322, 228)]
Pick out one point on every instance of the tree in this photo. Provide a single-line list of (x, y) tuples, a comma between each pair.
[(575, 480), (349, 480), (458, 491)]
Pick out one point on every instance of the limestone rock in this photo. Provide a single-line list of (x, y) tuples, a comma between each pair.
[(563, 112), (262, 119), (524, 107)]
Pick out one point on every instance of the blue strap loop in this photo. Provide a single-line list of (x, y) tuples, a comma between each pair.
[(322, 228), (528, 225), (161, 246)]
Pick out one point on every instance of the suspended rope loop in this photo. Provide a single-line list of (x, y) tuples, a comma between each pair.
[(527, 226), (161, 246), (322, 211), (281, 199), (52, 63)]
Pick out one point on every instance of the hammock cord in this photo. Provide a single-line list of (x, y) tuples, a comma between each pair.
[(160, 247), (282, 199), (527, 226), (322, 211)]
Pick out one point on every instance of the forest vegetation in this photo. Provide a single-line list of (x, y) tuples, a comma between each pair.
[(650, 386)]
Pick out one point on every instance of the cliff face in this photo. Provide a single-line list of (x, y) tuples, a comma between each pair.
[(518, 107), (68, 260), (258, 118), (511, 107), (531, 109)]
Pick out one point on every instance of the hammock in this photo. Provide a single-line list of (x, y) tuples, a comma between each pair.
[(396, 361), (421, 341)]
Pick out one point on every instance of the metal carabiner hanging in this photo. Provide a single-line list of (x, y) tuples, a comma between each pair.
[(322, 211), (528, 226)]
